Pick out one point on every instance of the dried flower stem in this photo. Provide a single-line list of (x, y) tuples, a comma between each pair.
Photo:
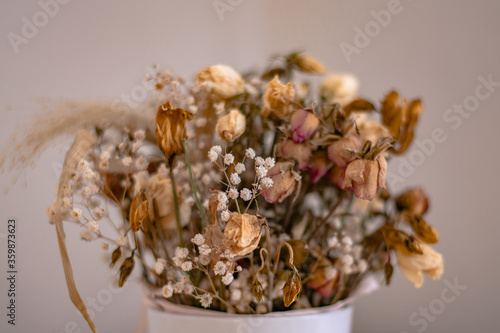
[(176, 204), (323, 222), (201, 209)]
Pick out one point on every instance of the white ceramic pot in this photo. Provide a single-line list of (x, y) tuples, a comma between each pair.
[(322, 320)]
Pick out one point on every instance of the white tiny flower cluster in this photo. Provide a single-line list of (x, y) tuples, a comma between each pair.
[(181, 259), (350, 256), (159, 266), (226, 160)]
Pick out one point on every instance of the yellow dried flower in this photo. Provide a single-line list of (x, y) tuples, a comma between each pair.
[(277, 99), (413, 265), (171, 129), (242, 233), (231, 126), (221, 80)]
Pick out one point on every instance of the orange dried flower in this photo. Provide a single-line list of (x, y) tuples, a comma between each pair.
[(171, 129), (277, 99)]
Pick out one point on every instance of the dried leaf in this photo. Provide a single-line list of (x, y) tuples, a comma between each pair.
[(425, 232), (358, 105)]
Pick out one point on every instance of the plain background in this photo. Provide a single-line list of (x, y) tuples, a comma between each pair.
[(436, 50)]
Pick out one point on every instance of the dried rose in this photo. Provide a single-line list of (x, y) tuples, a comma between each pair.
[(413, 201), (242, 233), (303, 124), (221, 80), (292, 288), (231, 126), (365, 177), (277, 99), (340, 89), (309, 65), (413, 265), (338, 153), (301, 152), (319, 166), (284, 183), (138, 211), (171, 129)]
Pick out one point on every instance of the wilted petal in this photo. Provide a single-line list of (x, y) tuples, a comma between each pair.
[(382, 163), (354, 173), (368, 189), (337, 151)]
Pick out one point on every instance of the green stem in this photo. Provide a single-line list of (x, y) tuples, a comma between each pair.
[(201, 209), (176, 204)]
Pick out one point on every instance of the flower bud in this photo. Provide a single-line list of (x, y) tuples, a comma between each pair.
[(303, 123), (171, 129), (301, 152), (341, 89), (292, 288), (221, 80), (413, 201), (284, 183), (231, 126), (277, 98), (125, 270), (138, 211), (309, 65)]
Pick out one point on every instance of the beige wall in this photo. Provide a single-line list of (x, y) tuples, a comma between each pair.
[(433, 49)]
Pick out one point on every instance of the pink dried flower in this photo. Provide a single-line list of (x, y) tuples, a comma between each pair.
[(303, 123), (365, 177), (338, 153)]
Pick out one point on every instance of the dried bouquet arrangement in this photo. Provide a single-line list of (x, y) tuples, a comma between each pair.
[(243, 193)]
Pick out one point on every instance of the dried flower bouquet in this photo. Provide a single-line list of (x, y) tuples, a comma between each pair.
[(244, 193)]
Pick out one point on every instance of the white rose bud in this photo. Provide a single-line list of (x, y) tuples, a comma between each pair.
[(231, 126)]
